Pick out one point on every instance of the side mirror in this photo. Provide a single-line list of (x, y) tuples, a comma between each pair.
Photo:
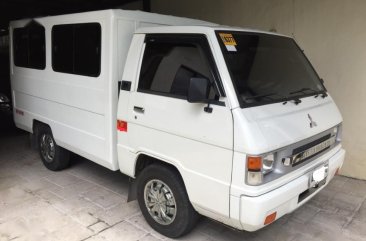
[(198, 90)]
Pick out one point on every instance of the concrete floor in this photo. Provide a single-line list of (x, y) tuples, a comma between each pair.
[(88, 202)]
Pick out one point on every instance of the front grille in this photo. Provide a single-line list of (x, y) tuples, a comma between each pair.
[(308, 146)]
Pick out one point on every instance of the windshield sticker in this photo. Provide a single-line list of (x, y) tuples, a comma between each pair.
[(229, 41)]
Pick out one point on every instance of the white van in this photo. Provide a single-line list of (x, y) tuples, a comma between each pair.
[(233, 124)]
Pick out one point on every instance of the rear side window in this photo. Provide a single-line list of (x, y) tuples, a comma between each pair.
[(76, 49), (170, 63), (29, 46)]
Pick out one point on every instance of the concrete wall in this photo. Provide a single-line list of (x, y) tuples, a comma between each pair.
[(137, 5), (332, 33)]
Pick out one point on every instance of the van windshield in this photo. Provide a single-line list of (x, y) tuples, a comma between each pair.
[(267, 68)]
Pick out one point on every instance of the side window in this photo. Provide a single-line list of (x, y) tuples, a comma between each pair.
[(62, 48), (168, 66), (76, 49), (29, 46)]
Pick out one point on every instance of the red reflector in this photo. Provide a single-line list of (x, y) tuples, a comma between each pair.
[(122, 125), (270, 218)]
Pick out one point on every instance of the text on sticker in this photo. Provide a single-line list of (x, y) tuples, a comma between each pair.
[(228, 39)]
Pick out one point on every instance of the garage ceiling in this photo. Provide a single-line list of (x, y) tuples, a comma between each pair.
[(18, 9)]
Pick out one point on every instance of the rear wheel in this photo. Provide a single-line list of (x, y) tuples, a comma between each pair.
[(164, 202), (54, 157)]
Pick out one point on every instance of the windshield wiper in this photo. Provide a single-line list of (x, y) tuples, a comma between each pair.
[(303, 90)]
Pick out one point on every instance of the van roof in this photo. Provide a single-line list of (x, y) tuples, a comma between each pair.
[(172, 23), (202, 29), (123, 14)]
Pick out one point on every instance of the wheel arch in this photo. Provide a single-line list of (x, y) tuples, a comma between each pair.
[(144, 160)]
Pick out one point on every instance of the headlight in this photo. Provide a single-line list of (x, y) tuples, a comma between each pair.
[(268, 163), (258, 167), (339, 133)]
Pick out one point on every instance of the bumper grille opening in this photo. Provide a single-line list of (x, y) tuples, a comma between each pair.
[(303, 195)]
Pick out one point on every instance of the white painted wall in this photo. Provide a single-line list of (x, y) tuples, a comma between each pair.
[(332, 34)]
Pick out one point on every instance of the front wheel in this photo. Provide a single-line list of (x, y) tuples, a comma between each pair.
[(164, 202), (54, 157)]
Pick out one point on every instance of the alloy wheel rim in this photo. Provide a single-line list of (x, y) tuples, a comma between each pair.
[(48, 149), (160, 202)]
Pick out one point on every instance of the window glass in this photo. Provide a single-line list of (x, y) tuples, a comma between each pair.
[(29, 46), (62, 46), (76, 49), (87, 49), (267, 68), (20, 45), (167, 67)]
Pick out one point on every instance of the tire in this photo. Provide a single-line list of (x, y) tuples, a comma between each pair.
[(54, 157), (166, 183)]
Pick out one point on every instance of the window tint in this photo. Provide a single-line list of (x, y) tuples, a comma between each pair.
[(168, 66), (62, 48), (87, 49), (76, 49), (267, 68), (29, 46), (20, 45)]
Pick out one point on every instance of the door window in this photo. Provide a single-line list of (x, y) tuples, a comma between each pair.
[(170, 62)]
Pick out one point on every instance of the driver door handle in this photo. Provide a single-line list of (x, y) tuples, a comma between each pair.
[(138, 109)]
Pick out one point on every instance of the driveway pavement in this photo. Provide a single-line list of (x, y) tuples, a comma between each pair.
[(88, 202)]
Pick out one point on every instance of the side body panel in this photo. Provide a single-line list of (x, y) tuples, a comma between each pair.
[(81, 110), (76, 107)]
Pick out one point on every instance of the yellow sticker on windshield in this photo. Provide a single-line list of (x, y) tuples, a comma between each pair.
[(227, 39)]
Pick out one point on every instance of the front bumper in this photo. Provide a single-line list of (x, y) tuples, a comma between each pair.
[(283, 200)]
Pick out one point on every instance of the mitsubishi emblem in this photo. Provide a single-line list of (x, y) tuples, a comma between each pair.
[(312, 123)]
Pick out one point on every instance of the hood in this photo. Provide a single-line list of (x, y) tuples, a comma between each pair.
[(262, 129)]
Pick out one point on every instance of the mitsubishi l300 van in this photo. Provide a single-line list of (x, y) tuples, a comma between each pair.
[(233, 124)]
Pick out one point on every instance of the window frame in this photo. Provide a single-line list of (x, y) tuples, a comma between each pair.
[(73, 26), (199, 40)]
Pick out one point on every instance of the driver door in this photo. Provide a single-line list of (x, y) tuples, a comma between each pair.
[(163, 124)]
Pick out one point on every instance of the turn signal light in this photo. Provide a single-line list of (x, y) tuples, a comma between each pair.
[(254, 163), (254, 174), (270, 218)]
